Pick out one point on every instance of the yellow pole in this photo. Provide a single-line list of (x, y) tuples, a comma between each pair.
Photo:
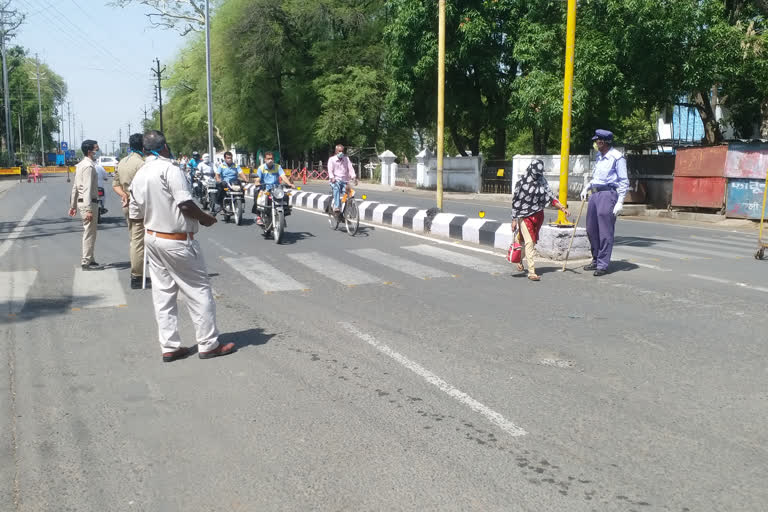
[(565, 144), (440, 100)]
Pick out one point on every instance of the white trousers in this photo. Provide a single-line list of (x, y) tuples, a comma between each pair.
[(178, 265)]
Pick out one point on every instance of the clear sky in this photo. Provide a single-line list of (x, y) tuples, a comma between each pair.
[(104, 54)]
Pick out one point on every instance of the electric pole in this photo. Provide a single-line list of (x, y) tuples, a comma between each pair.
[(208, 81), (159, 75), (40, 111), (69, 124), (129, 130)]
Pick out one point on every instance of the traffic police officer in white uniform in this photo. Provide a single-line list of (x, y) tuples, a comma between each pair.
[(160, 190)]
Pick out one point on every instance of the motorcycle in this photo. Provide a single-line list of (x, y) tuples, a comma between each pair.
[(102, 210), (274, 206), (208, 193), (234, 202), (197, 187)]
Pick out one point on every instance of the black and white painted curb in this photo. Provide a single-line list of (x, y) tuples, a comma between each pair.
[(490, 233)]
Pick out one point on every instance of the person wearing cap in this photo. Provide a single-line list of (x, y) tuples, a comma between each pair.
[(124, 173), (608, 188), (175, 261)]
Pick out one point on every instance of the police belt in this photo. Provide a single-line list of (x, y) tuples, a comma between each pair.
[(602, 188), (172, 236)]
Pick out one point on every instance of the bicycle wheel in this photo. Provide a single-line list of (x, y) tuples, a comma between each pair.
[(352, 217)]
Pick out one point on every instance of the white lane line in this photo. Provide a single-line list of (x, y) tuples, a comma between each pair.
[(724, 239), (491, 415), (16, 232), (222, 246), (97, 289), (729, 282), (646, 265), (264, 275), (689, 246), (455, 258), (14, 287), (400, 264), (332, 269), (643, 251)]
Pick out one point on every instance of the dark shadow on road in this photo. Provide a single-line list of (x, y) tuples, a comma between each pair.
[(622, 266), (111, 221), (246, 338), (36, 308), (291, 237), (47, 227), (637, 241), (119, 265)]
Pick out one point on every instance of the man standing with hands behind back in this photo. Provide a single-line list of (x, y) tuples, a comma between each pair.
[(163, 196), (124, 174), (85, 199)]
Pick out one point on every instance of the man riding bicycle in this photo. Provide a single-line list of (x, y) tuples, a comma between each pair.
[(340, 172), (228, 173), (268, 176)]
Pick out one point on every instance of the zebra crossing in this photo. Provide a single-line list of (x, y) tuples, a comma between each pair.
[(688, 248), (108, 288)]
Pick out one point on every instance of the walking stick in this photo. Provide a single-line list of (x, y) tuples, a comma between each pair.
[(575, 228)]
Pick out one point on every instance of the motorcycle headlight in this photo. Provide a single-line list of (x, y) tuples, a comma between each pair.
[(278, 192)]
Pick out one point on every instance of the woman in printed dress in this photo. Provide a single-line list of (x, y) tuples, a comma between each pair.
[(532, 194)]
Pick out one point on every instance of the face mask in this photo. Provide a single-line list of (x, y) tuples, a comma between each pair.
[(594, 145), (270, 165), (340, 156)]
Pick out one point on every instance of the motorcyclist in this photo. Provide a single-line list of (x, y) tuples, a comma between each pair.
[(229, 172), (192, 164), (268, 176), (204, 168)]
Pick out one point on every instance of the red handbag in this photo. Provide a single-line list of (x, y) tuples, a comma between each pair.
[(515, 252)]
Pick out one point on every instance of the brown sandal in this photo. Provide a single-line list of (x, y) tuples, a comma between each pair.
[(534, 277)]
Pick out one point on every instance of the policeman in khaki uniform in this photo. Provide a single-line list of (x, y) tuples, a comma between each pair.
[(85, 199), (124, 174), (163, 196)]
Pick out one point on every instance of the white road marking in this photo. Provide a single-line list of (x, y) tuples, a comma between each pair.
[(14, 287), (264, 275), (694, 248), (97, 289), (647, 251), (712, 241), (332, 269), (400, 264), (646, 265), (729, 282), (16, 232), (455, 258), (491, 415)]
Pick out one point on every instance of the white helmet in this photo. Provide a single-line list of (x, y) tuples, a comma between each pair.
[(206, 158)]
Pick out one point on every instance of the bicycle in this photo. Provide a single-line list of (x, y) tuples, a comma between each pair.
[(348, 212)]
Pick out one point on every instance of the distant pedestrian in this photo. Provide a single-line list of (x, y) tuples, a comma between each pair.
[(532, 194), (85, 199), (124, 173), (163, 196), (609, 186)]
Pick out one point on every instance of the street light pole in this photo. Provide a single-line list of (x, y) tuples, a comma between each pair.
[(208, 78), (440, 100), (40, 112), (565, 143), (7, 101)]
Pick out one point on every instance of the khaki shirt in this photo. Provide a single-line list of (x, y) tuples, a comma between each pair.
[(127, 169), (157, 190), (85, 190)]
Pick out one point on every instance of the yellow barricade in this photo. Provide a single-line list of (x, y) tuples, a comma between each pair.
[(9, 171)]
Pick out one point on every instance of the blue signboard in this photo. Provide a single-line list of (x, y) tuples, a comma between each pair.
[(744, 198), (64, 146), (71, 154)]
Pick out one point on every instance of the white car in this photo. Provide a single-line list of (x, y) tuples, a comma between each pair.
[(107, 162)]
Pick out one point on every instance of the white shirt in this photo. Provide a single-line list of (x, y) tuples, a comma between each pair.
[(205, 169), (157, 190), (103, 176)]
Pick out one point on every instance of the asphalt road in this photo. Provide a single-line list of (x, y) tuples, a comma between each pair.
[(381, 372)]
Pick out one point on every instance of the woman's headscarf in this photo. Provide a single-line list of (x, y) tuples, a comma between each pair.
[(532, 192)]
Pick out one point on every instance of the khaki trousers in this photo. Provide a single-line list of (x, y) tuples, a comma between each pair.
[(529, 248), (136, 231), (89, 234), (178, 265)]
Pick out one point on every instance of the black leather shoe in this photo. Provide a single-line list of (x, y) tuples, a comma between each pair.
[(600, 272), (591, 266)]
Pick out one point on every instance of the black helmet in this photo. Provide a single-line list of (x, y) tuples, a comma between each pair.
[(196, 155)]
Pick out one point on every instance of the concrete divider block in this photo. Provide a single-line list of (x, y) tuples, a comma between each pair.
[(380, 210), (503, 236), (553, 243), (441, 223), (470, 231), (398, 216), (418, 221)]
